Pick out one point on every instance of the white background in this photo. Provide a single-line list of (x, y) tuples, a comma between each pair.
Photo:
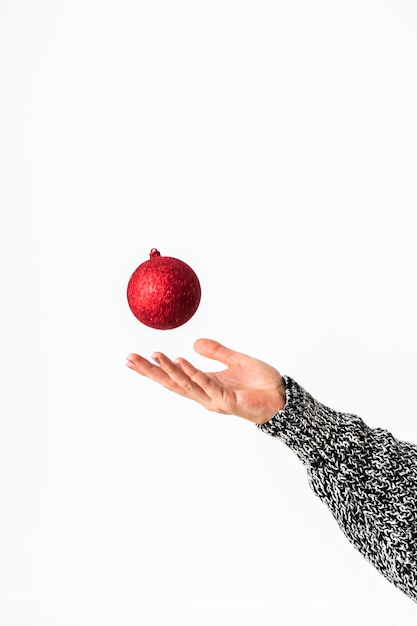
[(272, 146)]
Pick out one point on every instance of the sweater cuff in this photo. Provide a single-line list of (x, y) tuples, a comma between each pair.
[(316, 433)]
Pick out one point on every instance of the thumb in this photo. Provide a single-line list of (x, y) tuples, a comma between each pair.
[(214, 350)]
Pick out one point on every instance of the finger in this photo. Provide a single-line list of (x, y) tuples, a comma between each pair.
[(181, 378), (214, 350), (140, 364), (202, 379), (153, 372)]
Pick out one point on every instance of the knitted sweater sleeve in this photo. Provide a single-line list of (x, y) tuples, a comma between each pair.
[(366, 477)]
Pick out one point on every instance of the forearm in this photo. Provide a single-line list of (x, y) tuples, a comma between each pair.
[(366, 477)]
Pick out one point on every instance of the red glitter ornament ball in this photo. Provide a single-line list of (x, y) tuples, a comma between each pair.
[(163, 292)]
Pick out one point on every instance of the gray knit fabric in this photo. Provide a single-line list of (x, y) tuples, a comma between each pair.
[(366, 477)]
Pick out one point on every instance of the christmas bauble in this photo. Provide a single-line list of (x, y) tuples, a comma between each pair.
[(163, 292)]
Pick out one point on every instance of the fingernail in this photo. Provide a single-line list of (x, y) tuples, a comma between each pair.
[(130, 363), (155, 358)]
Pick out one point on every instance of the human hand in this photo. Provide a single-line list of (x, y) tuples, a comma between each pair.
[(247, 388)]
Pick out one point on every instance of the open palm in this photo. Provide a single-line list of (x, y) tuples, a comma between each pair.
[(248, 387)]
